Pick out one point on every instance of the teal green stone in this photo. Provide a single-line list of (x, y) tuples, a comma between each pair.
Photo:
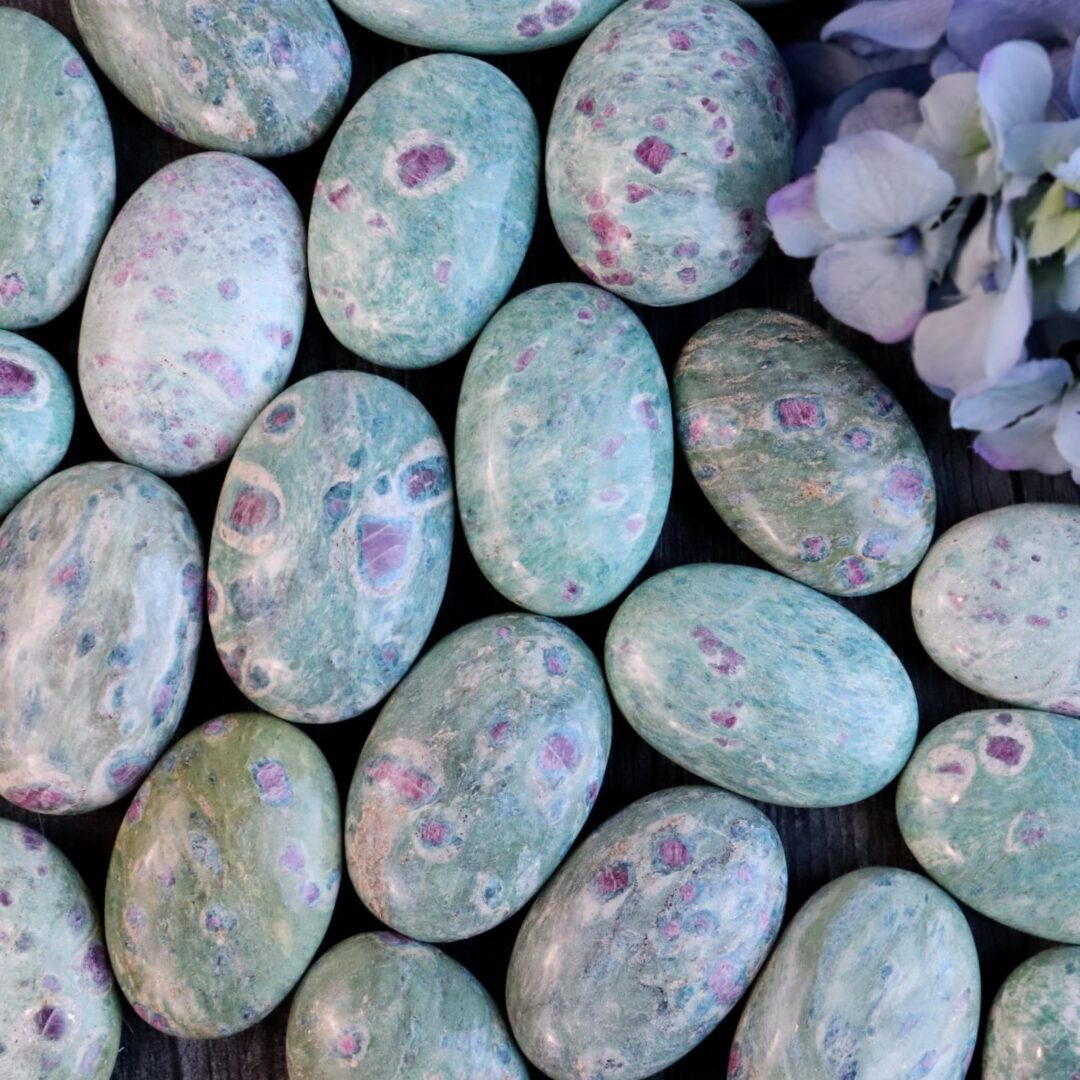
[(381, 1006), (57, 171), (331, 546), (647, 936), (875, 976), (990, 806), (101, 590), (563, 449), (262, 79), (997, 601), (37, 414), (808, 459), (761, 685), (477, 777), (437, 162), (223, 876), (1033, 1032), (59, 1009)]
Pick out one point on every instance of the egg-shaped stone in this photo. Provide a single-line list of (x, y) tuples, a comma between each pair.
[(990, 806), (875, 976), (57, 171), (37, 414), (477, 777), (59, 1009), (808, 459), (262, 79), (1033, 1032), (674, 123), (563, 450), (331, 546), (997, 602), (101, 587), (423, 210), (223, 876), (382, 1006), (647, 936), (761, 685), (193, 316)]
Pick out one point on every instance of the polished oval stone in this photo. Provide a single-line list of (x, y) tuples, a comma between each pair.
[(809, 460), (331, 546), (223, 876), (194, 312), (563, 449), (59, 1009), (37, 414), (381, 1006), (101, 585), (990, 806), (477, 777), (673, 125), (875, 976), (423, 210), (647, 936), (997, 602), (262, 79), (761, 685), (1033, 1032), (57, 171)]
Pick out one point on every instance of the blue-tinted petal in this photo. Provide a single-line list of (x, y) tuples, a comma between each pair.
[(1032, 149), (1067, 431), (1069, 171), (976, 26), (1015, 80), (915, 78), (1028, 444), (795, 221), (891, 109), (899, 24), (947, 62), (979, 256), (1018, 392), (811, 142), (1074, 83), (1061, 60)]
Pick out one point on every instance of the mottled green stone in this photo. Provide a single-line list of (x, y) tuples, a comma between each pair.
[(809, 460), (59, 1009), (384, 1007), (990, 806), (1033, 1032), (224, 876)]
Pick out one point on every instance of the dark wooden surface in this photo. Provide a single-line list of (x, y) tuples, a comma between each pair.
[(820, 844)]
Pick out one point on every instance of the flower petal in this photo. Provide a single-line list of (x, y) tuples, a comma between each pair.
[(1069, 171), (1067, 430), (1010, 321), (1068, 296), (899, 24), (793, 216), (1018, 392), (1053, 226), (891, 109), (819, 72), (950, 345), (1028, 444), (976, 26), (979, 256), (1015, 80), (952, 130), (947, 62), (1074, 82), (1032, 149), (939, 242)]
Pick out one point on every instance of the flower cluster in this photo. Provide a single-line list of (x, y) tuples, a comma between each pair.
[(940, 199)]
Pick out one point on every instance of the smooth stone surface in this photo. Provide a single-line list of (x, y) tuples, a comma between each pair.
[(101, 587), (331, 546), (761, 685), (990, 806), (381, 1006), (37, 414), (423, 210), (224, 876), (477, 777), (808, 459), (260, 78), (997, 601), (647, 936), (194, 312), (57, 171), (59, 1009), (1033, 1032), (563, 449), (875, 976), (674, 123)]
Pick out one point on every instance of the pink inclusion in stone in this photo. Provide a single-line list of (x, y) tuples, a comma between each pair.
[(654, 153), (422, 164), (1004, 748), (15, 380)]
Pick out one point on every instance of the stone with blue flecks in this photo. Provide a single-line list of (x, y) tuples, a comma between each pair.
[(990, 806), (477, 777), (382, 1006), (101, 587), (647, 936), (563, 449), (193, 315), (875, 976), (761, 685), (804, 454), (331, 546), (260, 78), (37, 414), (423, 210)]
